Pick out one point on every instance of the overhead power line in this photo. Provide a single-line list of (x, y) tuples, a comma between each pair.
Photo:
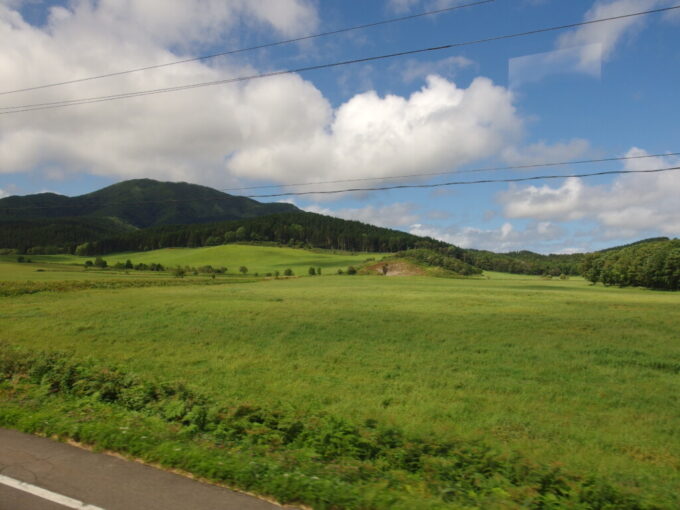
[(382, 188), (98, 99), (474, 170), (461, 183), (250, 48)]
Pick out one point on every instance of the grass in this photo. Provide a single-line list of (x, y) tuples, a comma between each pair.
[(257, 258), (559, 371)]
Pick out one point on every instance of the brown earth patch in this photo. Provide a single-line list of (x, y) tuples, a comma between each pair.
[(395, 268)]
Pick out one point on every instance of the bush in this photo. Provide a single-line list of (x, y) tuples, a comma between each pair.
[(312, 271), (288, 272), (243, 270), (351, 270)]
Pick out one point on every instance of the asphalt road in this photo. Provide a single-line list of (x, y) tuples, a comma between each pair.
[(41, 474)]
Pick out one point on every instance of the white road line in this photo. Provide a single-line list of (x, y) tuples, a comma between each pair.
[(45, 494)]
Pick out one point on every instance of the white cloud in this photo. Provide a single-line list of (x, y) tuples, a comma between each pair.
[(438, 127), (534, 68), (502, 239), (598, 41), (280, 128), (585, 48), (393, 215), (3, 193), (632, 205)]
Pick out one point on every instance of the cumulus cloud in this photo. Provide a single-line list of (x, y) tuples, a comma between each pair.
[(3, 193), (438, 127), (631, 205), (502, 239), (180, 136), (280, 128)]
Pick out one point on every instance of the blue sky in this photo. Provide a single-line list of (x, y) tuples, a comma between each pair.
[(604, 90)]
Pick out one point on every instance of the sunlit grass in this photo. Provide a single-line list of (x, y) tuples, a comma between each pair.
[(559, 370)]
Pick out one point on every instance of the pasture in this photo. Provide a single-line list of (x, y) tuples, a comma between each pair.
[(560, 372), (257, 258)]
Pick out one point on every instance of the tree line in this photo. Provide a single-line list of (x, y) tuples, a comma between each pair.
[(655, 265), (302, 230)]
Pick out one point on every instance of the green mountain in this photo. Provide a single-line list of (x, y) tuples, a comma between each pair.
[(140, 203)]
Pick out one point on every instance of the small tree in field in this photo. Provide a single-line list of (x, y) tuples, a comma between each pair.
[(312, 271), (288, 272), (351, 270), (243, 270), (318, 271), (100, 262), (179, 272)]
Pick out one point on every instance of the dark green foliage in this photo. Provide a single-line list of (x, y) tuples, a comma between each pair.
[(141, 203), (243, 270), (288, 272), (60, 235), (438, 259), (521, 262), (100, 263), (351, 270), (312, 271), (300, 229), (652, 264), (337, 464)]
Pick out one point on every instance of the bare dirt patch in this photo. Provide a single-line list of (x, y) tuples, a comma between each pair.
[(395, 268)]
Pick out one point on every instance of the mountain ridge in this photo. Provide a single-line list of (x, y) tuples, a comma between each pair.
[(141, 203)]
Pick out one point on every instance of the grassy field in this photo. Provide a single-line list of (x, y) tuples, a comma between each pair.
[(258, 259), (558, 371)]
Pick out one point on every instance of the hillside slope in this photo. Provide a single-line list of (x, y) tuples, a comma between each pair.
[(141, 203)]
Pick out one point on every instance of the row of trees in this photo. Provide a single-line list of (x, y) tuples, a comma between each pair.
[(291, 229), (655, 265)]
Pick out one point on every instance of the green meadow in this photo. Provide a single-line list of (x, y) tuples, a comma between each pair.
[(561, 373), (258, 259)]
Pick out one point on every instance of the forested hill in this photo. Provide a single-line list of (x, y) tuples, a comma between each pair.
[(140, 203), (652, 263), (299, 229)]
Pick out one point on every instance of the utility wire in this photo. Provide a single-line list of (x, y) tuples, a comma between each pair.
[(461, 183), (474, 170), (97, 99), (382, 188), (251, 48)]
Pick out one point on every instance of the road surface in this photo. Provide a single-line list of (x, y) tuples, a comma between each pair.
[(41, 474)]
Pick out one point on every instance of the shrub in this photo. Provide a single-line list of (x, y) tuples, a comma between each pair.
[(312, 271), (351, 270), (288, 272)]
